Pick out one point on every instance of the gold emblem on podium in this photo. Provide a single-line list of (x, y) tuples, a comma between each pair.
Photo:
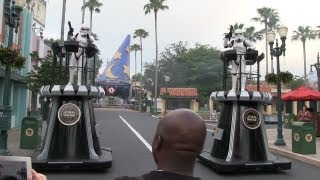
[(296, 137), (308, 137)]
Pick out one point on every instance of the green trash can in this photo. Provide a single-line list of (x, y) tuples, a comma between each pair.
[(288, 120), (303, 138), (30, 136)]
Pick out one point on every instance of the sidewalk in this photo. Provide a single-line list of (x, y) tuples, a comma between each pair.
[(286, 151), (313, 159)]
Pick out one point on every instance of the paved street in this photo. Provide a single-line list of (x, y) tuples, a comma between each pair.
[(132, 157)]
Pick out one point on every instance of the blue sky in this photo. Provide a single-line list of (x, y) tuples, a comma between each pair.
[(202, 21)]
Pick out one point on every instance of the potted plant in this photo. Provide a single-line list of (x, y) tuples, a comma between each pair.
[(11, 58), (285, 77)]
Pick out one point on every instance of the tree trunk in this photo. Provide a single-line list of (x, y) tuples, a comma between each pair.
[(156, 73), (63, 22), (266, 29), (304, 59), (135, 77), (83, 10), (141, 55), (91, 12), (140, 95)]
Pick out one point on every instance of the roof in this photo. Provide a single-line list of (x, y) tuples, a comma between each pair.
[(180, 92), (264, 87)]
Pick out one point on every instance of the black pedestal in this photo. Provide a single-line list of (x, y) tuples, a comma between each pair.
[(72, 144), (240, 142)]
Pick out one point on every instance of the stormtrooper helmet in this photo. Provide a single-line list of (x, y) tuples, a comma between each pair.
[(238, 35), (85, 29)]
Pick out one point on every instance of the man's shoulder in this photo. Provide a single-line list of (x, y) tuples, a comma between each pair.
[(157, 175)]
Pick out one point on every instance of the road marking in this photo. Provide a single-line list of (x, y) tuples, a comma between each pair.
[(137, 134)]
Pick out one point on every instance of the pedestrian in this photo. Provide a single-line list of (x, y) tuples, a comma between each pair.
[(304, 114), (178, 140)]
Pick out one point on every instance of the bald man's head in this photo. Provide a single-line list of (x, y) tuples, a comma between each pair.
[(180, 136)]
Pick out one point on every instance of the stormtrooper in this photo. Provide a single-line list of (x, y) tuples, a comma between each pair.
[(76, 62), (241, 45)]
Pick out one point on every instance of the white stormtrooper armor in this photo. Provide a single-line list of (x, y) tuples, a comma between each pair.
[(240, 44), (76, 63)]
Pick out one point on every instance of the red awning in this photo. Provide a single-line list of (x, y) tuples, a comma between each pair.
[(301, 94)]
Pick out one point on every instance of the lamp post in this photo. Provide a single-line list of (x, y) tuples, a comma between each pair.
[(277, 52), (12, 18), (317, 66), (154, 99), (166, 79), (37, 30)]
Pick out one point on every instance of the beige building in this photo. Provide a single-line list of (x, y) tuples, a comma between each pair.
[(174, 98)]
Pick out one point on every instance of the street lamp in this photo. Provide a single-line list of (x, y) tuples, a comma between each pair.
[(277, 52), (167, 79), (317, 66), (37, 30), (12, 18)]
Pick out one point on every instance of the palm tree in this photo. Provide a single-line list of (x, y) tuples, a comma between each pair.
[(141, 33), (63, 18), (318, 31), (135, 48), (92, 5), (249, 33), (235, 26), (238, 26), (302, 34), (155, 6), (270, 18), (253, 35), (83, 11)]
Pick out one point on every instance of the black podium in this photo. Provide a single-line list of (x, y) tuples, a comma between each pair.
[(240, 141), (72, 136)]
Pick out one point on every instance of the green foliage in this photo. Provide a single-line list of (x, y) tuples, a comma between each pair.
[(92, 5), (303, 33), (271, 78), (11, 58), (45, 74), (198, 67), (135, 47), (140, 33), (50, 41), (155, 6), (136, 77), (250, 33), (269, 17), (296, 82), (285, 77)]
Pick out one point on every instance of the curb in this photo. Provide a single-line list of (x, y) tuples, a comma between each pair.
[(296, 156)]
